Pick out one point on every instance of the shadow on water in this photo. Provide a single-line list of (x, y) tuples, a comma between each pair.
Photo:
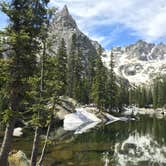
[(141, 142)]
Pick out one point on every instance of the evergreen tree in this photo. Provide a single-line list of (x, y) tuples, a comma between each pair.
[(142, 101), (43, 116), (122, 95), (98, 94), (61, 67), (77, 87), (161, 92), (85, 91), (26, 21), (71, 66), (149, 96), (155, 94), (4, 64), (112, 87), (74, 73)]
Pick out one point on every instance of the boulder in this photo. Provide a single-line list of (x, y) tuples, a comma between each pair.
[(18, 159)]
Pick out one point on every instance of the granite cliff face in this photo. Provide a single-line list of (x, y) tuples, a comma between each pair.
[(64, 26), (139, 62)]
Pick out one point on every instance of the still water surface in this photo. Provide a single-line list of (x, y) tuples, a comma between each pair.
[(132, 143)]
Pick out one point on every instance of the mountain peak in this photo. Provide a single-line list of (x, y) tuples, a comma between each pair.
[(65, 11), (140, 62), (63, 19), (141, 42)]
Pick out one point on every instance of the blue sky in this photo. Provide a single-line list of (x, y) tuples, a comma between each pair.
[(117, 22)]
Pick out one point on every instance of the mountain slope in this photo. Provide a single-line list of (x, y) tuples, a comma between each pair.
[(64, 26), (139, 62)]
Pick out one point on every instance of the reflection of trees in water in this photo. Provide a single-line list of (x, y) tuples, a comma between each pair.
[(106, 134), (147, 131), (146, 144), (119, 131), (139, 150), (118, 142), (151, 126)]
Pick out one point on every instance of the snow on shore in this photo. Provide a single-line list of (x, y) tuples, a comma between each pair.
[(84, 119), (132, 110), (74, 120), (89, 116)]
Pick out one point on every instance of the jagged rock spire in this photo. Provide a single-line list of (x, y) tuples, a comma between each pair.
[(65, 11), (64, 26), (63, 19)]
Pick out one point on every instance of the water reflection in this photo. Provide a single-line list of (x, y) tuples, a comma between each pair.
[(139, 150), (85, 127), (105, 159), (141, 143), (128, 143)]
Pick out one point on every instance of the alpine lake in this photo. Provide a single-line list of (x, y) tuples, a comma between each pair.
[(140, 142)]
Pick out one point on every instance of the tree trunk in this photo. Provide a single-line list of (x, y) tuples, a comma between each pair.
[(36, 140), (6, 145), (35, 147), (45, 145)]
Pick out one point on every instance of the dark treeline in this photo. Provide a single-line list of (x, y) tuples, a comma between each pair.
[(153, 95)]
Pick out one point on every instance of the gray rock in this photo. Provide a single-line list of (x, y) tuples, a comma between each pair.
[(64, 26), (18, 159), (67, 105), (139, 63)]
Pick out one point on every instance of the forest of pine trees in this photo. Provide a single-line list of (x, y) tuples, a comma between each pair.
[(153, 95)]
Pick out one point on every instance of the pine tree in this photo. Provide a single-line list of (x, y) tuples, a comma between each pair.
[(71, 66), (44, 115), (61, 67), (4, 78), (149, 97), (112, 87), (161, 92), (122, 95), (98, 94), (85, 91), (142, 97), (77, 84), (155, 94), (74, 72), (26, 21)]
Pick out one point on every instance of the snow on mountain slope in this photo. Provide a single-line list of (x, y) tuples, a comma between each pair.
[(139, 63)]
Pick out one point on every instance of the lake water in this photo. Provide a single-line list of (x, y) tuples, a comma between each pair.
[(132, 143)]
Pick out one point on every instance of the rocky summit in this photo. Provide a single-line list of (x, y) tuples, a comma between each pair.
[(140, 62), (64, 26)]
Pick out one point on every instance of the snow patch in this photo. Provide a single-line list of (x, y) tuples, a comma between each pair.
[(74, 120), (84, 119), (126, 64), (17, 132)]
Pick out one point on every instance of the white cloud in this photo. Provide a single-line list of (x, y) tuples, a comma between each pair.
[(147, 19)]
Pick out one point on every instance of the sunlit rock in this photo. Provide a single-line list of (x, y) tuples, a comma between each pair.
[(18, 159), (139, 63)]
